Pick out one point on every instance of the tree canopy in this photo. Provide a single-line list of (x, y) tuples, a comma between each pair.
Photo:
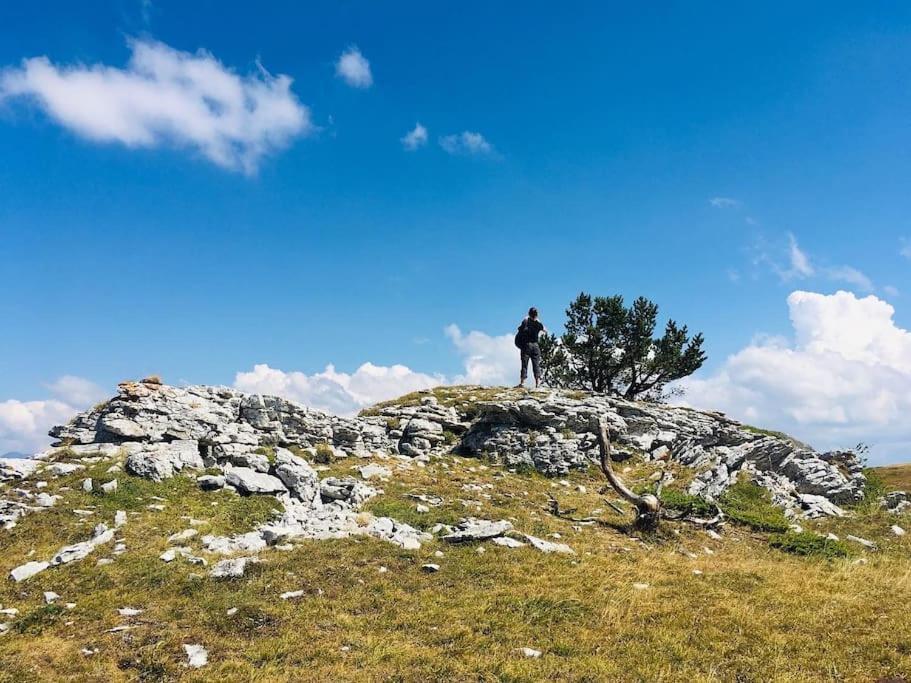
[(610, 348)]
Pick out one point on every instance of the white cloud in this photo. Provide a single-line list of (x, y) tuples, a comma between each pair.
[(416, 137), (843, 378), (905, 249), (24, 424), (800, 262), (486, 359), (333, 391), (467, 143), (852, 276), (353, 68), (725, 203), (166, 96), (891, 290)]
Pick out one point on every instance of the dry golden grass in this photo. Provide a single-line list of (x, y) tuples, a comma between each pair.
[(896, 477), (754, 614)]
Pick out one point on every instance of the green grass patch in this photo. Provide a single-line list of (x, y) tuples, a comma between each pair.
[(808, 544), (748, 503), (674, 499)]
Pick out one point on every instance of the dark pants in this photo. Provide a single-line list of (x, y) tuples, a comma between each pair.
[(531, 351)]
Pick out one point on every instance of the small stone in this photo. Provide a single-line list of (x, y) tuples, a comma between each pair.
[(129, 612), (109, 487), (420, 507), (438, 553), (870, 545), (897, 530), (181, 536), (104, 561), (697, 572), (120, 518), (640, 586), (231, 611), (168, 555), (28, 570), (155, 506), (87, 485), (50, 596), (430, 568), (549, 546), (9, 612), (531, 652), (382, 570), (373, 471), (832, 537), (197, 656), (291, 594), (232, 568), (714, 535), (507, 542), (480, 550), (581, 489)]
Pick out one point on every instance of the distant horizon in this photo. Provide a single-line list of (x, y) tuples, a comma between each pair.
[(348, 201)]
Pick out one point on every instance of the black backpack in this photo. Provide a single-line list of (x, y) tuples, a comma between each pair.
[(521, 337)]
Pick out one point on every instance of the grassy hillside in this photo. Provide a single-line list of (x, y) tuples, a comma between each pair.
[(678, 606), (895, 477)]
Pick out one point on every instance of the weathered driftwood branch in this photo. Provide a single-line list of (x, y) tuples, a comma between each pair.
[(648, 507)]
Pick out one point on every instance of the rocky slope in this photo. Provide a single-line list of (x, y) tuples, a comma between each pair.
[(164, 430)]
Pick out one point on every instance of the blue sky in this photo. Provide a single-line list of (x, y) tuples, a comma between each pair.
[(607, 131)]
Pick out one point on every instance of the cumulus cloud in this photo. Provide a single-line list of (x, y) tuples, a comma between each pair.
[(353, 68), (336, 392), (24, 424), (487, 359), (416, 137), (843, 378), (725, 203), (167, 97), (467, 143)]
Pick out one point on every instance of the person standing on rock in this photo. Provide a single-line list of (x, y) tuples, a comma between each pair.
[(527, 342)]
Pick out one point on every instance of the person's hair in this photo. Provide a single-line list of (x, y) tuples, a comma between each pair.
[(533, 313)]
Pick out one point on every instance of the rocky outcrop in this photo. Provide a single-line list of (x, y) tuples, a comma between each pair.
[(165, 430)]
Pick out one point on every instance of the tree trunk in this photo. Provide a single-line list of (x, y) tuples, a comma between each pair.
[(648, 507)]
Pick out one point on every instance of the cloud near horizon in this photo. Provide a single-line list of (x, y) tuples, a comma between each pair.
[(24, 424), (842, 379), (163, 97)]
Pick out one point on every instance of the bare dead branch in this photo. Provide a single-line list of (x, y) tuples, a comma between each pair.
[(648, 507)]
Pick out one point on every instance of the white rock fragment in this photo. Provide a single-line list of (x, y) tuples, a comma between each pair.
[(507, 542), (373, 471), (87, 485), (231, 611), (897, 530), (9, 612), (640, 586), (549, 546), (531, 652), (129, 612), (232, 568), (50, 597), (28, 570), (869, 545), (430, 568), (291, 594), (120, 518), (109, 487), (197, 656), (421, 508), (181, 536)]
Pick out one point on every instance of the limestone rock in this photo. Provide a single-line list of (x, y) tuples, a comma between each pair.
[(250, 481), (160, 461), (549, 546), (298, 476), (472, 529), (28, 570)]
